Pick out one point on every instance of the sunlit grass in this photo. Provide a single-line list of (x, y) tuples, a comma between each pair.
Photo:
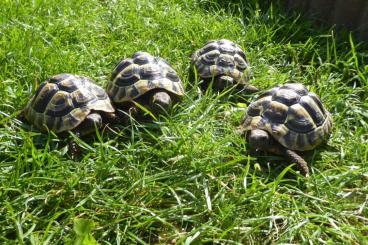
[(188, 176)]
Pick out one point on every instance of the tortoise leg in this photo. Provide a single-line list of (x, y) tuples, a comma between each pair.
[(302, 165), (292, 157), (249, 89), (21, 116), (115, 118), (86, 127), (160, 102), (74, 150), (261, 140), (133, 111), (89, 124)]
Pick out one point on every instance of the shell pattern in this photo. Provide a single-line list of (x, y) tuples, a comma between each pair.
[(294, 116), (140, 74), (222, 57), (63, 101)]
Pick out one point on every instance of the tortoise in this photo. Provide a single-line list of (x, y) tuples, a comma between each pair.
[(147, 80), (225, 63), (285, 120), (67, 102)]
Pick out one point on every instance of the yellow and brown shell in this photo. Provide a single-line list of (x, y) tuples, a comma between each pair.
[(63, 101), (221, 57), (134, 77), (295, 117)]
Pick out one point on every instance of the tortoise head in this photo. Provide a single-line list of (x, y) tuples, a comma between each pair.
[(259, 139), (160, 102), (222, 82)]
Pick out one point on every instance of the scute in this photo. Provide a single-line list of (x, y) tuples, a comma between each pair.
[(277, 112), (63, 101), (43, 95), (69, 85), (318, 102), (210, 57), (221, 57), (121, 66), (60, 104), (297, 87), (58, 78), (295, 117), (240, 61), (286, 96), (211, 45), (143, 74), (299, 120), (257, 107), (313, 110)]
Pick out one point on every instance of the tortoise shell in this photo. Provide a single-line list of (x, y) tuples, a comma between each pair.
[(63, 101), (134, 77), (222, 57), (295, 117)]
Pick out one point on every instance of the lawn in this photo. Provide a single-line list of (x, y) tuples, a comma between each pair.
[(188, 177)]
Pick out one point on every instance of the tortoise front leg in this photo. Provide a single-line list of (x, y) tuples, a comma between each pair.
[(302, 165), (88, 126), (249, 89), (133, 111), (73, 148), (119, 118), (21, 116), (292, 157)]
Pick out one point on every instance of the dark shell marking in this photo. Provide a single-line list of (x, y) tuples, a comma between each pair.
[(292, 115), (143, 72), (221, 57), (63, 101)]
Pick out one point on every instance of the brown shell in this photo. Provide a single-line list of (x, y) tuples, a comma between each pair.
[(63, 101), (133, 77), (222, 57), (295, 117)]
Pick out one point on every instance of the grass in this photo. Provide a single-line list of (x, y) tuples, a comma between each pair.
[(186, 178)]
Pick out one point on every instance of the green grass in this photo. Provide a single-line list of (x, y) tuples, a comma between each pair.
[(186, 178)]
